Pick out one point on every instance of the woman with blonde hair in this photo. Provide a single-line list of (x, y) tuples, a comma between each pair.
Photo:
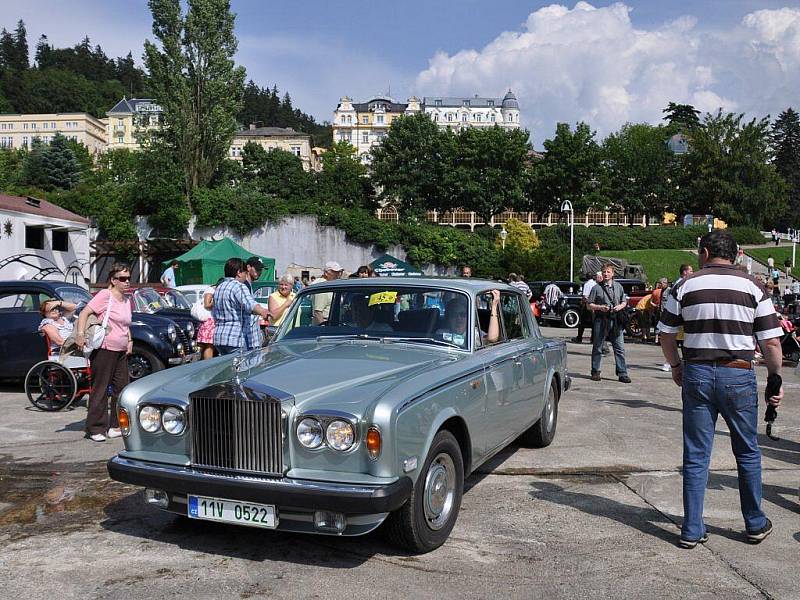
[(280, 300), (110, 360)]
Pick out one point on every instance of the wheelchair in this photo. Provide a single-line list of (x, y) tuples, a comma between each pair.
[(55, 383)]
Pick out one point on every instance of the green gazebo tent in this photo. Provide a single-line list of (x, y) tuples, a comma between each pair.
[(389, 266), (205, 263)]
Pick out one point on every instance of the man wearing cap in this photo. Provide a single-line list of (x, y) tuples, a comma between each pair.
[(321, 303), (254, 268)]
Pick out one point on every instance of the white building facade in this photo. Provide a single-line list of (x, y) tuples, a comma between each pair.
[(365, 124), (39, 240)]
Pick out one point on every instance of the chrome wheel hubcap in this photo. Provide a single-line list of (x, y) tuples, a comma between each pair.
[(440, 490), (550, 413)]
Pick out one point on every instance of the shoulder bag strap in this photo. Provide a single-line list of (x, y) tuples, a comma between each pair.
[(108, 310)]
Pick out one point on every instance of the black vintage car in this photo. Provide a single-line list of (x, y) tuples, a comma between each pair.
[(155, 338), (173, 305), (567, 309)]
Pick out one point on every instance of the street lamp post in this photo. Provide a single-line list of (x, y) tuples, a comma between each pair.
[(566, 207), (503, 236)]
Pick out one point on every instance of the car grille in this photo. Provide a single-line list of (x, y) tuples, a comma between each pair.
[(237, 435), (183, 339)]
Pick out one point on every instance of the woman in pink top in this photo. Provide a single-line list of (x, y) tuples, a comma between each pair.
[(110, 361)]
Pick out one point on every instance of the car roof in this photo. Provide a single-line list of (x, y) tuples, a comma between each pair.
[(38, 284), (471, 285)]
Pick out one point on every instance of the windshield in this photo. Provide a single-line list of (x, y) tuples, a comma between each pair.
[(73, 294), (176, 299), (147, 300), (386, 312)]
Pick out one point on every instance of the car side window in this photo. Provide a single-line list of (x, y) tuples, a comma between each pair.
[(514, 323), (483, 304), (20, 302)]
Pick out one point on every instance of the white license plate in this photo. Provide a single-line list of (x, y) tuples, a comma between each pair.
[(233, 511)]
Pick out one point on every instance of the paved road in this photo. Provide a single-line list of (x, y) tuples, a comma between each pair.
[(594, 515)]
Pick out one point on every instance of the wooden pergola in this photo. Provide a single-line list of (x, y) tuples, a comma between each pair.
[(144, 251)]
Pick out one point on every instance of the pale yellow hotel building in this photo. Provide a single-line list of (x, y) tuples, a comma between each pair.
[(20, 131)]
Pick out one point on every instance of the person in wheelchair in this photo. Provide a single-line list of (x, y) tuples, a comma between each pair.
[(456, 317), (57, 323)]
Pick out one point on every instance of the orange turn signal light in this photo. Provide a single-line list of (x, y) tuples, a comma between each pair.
[(374, 442), (124, 421)]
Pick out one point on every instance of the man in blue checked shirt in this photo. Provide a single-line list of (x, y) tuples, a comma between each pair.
[(233, 305)]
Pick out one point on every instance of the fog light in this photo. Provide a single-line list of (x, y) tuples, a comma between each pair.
[(329, 522), (157, 498)]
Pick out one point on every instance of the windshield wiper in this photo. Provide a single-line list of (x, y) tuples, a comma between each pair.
[(424, 340), (351, 336)]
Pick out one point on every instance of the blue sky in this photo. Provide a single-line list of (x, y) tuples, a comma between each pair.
[(602, 62)]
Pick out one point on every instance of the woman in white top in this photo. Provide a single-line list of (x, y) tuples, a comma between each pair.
[(57, 323)]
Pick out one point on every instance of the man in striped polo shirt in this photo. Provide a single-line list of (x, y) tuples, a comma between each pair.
[(722, 310)]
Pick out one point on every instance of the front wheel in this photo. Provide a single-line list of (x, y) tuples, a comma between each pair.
[(425, 521), (142, 362), (570, 318)]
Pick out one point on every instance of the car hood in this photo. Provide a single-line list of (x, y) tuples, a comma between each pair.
[(347, 376)]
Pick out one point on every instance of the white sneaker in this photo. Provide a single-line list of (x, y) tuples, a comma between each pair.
[(665, 367), (97, 437), (114, 432)]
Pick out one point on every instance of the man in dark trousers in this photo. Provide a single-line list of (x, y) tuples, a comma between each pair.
[(722, 310), (606, 300)]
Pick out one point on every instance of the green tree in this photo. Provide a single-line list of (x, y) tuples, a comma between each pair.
[(52, 166), (681, 117), (520, 236), (275, 172), (411, 166), (194, 78), (343, 179), (785, 140), (637, 164), (729, 171), (571, 169), (488, 172)]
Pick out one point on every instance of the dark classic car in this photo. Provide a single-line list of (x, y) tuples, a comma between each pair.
[(173, 305), (373, 403), (567, 310), (21, 345)]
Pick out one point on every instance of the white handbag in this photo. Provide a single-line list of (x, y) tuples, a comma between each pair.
[(95, 340), (200, 312)]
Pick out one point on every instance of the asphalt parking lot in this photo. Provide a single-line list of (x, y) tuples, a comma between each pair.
[(594, 515)]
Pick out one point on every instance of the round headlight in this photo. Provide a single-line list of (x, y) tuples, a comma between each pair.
[(309, 433), (171, 333), (190, 330), (150, 419), (174, 421), (340, 435)]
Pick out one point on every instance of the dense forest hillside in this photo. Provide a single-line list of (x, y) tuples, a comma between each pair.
[(84, 79)]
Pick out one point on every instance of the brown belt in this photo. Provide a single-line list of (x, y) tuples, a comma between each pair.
[(736, 363)]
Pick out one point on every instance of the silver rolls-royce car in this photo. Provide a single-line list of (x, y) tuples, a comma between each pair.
[(373, 402)]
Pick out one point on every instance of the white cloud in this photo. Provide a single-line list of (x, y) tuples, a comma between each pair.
[(593, 64)]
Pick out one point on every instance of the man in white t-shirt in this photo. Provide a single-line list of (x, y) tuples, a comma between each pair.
[(586, 314)]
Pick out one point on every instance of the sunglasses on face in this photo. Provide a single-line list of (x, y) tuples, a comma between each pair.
[(123, 278)]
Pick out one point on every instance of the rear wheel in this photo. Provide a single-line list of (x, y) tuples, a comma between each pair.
[(542, 433), (570, 318), (142, 362), (634, 328), (425, 521), (50, 386)]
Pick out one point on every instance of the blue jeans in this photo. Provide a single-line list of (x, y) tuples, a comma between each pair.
[(708, 391), (601, 328)]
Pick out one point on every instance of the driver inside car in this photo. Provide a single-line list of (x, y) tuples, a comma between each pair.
[(456, 316)]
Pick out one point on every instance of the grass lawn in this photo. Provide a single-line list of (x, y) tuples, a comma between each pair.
[(779, 253), (656, 263)]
